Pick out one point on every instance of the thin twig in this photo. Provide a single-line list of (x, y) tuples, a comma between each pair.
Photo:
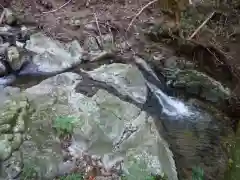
[(99, 31), (135, 17), (201, 26), (218, 60), (54, 10)]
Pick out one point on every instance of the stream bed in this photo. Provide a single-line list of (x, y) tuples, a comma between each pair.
[(118, 116)]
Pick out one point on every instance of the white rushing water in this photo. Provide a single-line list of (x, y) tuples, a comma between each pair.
[(170, 105)]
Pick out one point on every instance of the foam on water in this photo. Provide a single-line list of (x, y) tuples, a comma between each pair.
[(170, 105)]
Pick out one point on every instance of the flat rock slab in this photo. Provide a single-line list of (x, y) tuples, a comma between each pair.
[(125, 78)]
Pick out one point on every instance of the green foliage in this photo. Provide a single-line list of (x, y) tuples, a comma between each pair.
[(197, 173), (72, 177), (150, 178), (64, 125), (28, 173), (146, 178)]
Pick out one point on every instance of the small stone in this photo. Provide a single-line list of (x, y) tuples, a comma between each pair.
[(14, 58), (75, 22), (13, 55), (90, 27), (91, 44)]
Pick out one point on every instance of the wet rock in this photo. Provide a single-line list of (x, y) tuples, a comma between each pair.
[(126, 79), (197, 83), (52, 56), (199, 140), (2, 69), (105, 126)]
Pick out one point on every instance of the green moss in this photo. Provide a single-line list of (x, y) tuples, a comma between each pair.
[(28, 173), (149, 177), (197, 173), (64, 125)]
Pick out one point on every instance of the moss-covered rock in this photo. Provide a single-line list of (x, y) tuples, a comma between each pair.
[(12, 125), (201, 85), (233, 172)]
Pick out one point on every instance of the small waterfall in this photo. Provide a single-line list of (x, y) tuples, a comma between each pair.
[(171, 106)]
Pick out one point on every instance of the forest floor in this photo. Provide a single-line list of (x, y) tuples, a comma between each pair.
[(215, 47)]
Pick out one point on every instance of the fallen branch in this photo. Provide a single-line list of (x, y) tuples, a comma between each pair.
[(135, 17), (201, 26), (54, 10), (99, 31)]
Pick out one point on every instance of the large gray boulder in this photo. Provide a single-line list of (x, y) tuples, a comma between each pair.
[(51, 55), (125, 78), (199, 84), (117, 132), (108, 127)]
